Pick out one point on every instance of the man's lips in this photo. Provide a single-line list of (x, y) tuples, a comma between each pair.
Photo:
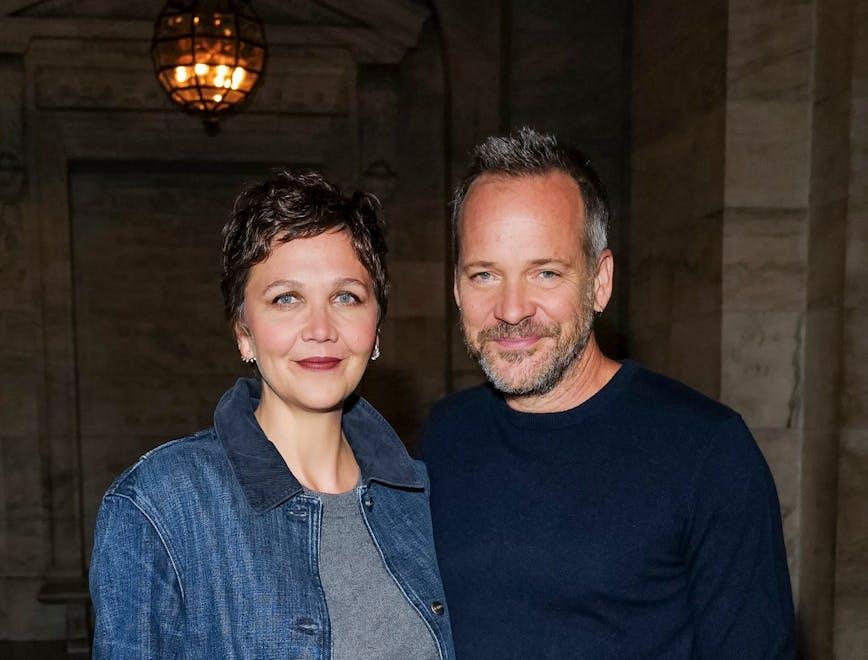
[(319, 363), (516, 343)]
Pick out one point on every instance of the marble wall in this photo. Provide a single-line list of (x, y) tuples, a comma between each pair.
[(783, 266), (676, 188), (765, 239), (851, 571)]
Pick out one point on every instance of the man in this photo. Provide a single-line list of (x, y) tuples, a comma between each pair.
[(584, 507)]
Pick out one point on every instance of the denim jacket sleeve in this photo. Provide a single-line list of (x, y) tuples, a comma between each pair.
[(134, 584)]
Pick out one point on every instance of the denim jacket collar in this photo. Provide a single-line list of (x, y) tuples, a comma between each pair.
[(262, 472)]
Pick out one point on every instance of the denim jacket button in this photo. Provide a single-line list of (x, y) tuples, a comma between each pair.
[(437, 607), (369, 502)]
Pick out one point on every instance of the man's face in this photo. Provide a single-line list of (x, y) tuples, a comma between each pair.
[(522, 284)]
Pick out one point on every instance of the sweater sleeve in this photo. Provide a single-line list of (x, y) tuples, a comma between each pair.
[(736, 561), (134, 586)]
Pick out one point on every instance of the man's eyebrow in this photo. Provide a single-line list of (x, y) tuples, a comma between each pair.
[(549, 260), (479, 264), (535, 262)]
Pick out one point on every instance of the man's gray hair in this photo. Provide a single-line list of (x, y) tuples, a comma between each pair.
[(528, 152)]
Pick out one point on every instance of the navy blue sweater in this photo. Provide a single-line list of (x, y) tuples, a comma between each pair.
[(643, 523)]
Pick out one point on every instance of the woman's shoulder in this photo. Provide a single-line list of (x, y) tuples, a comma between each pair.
[(172, 466)]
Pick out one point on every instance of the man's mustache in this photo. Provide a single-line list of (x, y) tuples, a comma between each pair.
[(524, 328)]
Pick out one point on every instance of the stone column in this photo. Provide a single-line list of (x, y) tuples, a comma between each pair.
[(851, 576), (24, 513), (674, 244), (788, 95), (783, 268)]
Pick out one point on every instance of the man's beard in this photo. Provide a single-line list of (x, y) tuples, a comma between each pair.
[(543, 378)]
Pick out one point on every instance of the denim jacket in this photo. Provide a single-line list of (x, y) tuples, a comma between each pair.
[(208, 546)]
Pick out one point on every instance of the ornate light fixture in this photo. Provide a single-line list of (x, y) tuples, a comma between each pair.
[(208, 55)]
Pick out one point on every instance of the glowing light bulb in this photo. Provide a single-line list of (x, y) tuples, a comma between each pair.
[(220, 76), (201, 69), (237, 77), (218, 97), (181, 74)]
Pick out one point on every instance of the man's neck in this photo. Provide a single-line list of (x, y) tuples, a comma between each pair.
[(585, 377)]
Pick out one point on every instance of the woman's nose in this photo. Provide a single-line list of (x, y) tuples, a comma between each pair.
[(319, 325)]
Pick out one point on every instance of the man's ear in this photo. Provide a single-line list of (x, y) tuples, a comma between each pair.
[(603, 280), (455, 288)]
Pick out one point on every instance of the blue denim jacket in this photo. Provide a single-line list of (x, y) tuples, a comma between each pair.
[(208, 546)]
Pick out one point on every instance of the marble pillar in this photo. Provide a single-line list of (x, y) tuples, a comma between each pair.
[(677, 188), (785, 267), (851, 565)]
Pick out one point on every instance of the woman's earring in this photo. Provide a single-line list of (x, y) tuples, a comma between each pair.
[(376, 352), (248, 360)]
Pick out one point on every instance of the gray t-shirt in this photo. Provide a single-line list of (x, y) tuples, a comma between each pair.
[(370, 617)]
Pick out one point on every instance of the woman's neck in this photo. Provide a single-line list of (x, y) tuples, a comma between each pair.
[(311, 444)]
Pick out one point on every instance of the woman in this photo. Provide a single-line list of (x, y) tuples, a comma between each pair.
[(298, 526)]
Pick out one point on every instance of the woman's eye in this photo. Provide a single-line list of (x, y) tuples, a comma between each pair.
[(285, 299), (346, 298)]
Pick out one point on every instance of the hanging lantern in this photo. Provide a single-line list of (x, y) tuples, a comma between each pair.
[(208, 55)]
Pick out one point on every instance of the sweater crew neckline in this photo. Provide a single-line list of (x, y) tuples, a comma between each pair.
[(545, 421)]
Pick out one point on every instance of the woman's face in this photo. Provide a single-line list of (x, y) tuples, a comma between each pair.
[(311, 321)]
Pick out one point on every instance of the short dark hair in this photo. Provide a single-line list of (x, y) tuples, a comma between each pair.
[(527, 152), (294, 204)]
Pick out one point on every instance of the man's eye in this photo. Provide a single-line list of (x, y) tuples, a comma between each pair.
[(481, 276), (548, 275), (285, 299), (347, 298)]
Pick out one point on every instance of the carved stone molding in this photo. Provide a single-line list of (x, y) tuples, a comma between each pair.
[(373, 31)]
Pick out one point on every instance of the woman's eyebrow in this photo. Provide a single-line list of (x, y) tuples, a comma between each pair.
[(292, 284)]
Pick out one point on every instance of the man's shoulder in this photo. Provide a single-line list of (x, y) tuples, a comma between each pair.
[(461, 406), (662, 398)]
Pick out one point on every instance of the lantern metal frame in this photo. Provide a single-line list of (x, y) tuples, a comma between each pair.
[(245, 33)]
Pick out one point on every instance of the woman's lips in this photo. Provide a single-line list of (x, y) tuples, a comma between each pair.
[(319, 363)]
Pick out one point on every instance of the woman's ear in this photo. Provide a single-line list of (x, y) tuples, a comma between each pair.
[(245, 341)]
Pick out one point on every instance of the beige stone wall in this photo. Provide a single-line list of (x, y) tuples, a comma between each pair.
[(784, 341), (676, 203), (851, 574)]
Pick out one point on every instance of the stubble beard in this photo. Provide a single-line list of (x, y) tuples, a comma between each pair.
[(504, 368)]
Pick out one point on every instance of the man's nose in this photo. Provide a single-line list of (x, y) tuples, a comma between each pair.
[(514, 303)]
